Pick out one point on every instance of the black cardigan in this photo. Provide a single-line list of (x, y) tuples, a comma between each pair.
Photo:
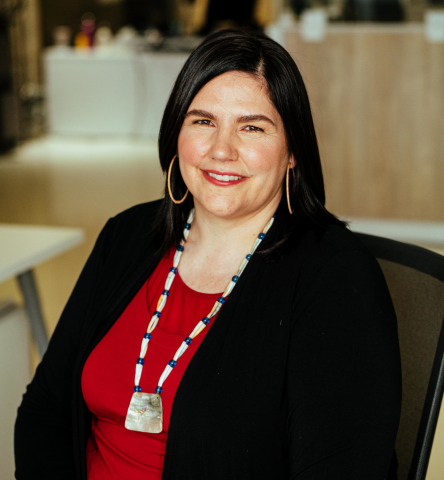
[(298, 377)]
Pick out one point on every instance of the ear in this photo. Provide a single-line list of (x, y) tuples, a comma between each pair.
[(292, 161)]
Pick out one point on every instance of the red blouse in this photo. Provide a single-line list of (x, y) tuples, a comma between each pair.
[(113, 452)]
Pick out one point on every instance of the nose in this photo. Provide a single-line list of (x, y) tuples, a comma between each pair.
[(223, 146)]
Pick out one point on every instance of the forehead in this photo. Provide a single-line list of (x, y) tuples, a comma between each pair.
[(235, 92)]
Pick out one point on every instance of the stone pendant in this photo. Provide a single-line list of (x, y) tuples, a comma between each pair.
[(145, 413)]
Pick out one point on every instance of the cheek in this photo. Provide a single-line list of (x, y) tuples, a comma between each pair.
[(265, 159), (191, 147)]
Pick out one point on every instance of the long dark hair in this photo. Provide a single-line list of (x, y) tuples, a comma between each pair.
[(257, 54)]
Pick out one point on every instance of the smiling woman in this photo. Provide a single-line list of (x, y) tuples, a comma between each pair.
[(233, 329)]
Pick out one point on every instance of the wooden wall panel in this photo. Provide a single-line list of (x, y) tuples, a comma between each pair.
[(377, 97)]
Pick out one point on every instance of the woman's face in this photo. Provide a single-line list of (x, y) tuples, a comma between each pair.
[(232, 148)]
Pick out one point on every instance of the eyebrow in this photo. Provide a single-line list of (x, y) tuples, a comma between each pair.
[(242, 119)]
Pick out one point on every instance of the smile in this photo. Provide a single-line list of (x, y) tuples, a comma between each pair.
[(223, 180)]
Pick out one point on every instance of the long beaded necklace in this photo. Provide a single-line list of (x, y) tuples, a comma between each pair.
[(145, 412)]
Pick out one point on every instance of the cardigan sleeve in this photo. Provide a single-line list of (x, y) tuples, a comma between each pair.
[(43, 429), (344, 375)]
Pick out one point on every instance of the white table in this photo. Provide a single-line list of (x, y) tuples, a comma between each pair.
[(114, 93), (21, 249)]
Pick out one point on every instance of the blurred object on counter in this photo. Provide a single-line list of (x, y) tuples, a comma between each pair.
[(62, 36), (126, 38), (88, 26), (434, 26), (81, 40), (153, 38), (103, 37), (313, 26), (277, 31)]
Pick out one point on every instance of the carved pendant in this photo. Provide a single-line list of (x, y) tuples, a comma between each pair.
[(145, 413)]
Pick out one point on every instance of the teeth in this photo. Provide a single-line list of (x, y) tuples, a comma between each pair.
[(224, 178)]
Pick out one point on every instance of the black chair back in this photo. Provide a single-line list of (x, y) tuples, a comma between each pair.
[(415, 277)]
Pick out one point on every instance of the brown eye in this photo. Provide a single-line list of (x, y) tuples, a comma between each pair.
[(252, 128)]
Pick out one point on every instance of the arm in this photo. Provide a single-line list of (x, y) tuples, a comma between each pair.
[(344, 375), (43, 432)]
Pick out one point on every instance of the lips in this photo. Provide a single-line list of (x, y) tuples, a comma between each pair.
[(223, 179)]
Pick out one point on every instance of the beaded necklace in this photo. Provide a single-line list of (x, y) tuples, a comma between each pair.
[(145, 412)]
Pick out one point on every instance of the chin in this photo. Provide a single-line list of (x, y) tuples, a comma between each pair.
[(222, 208)]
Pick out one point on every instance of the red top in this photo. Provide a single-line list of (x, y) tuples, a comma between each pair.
[(112, 451)]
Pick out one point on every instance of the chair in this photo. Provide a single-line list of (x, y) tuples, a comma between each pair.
[(415, 277)]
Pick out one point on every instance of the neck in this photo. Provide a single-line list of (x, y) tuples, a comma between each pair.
[(220, 234)]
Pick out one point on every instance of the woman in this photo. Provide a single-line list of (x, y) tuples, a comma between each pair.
[(293, 371)]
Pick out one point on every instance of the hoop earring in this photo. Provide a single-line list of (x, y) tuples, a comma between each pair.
[(169, 184), (288, 189)]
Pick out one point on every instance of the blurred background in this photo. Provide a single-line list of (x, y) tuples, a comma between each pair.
[(83, 84)]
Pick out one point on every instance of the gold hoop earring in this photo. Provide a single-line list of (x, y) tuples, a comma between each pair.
[(288, 189), (169, 184)]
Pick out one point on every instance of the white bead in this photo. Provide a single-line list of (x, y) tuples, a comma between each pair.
[(143, 348), (161, 303), (186, 232), (164, 375), (197, 332), (229, 289), (139, 369), (169, 280), (176, 260), (255, 245), (216, 307), (242, 267), (191, 216), (196, 328), (269, 224), (153, 323), (180, 351)]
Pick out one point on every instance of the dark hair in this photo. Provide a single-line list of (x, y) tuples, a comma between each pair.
[(257, 54)]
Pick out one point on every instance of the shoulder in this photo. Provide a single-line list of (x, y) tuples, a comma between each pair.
[(339, 278), (337, 254), (129, 231), (139, 216)]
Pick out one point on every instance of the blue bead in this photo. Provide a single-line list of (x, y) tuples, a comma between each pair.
[(221, 300), (235, 279), (174, 270), (172, 363), (205, 320), (248, 256), (188, 340), (187, 226), (274, 216), (180, 248), (166, 292), (261, 236), (157, 313), (140, 361), (158, 390), (147, 335), (137, 389)]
